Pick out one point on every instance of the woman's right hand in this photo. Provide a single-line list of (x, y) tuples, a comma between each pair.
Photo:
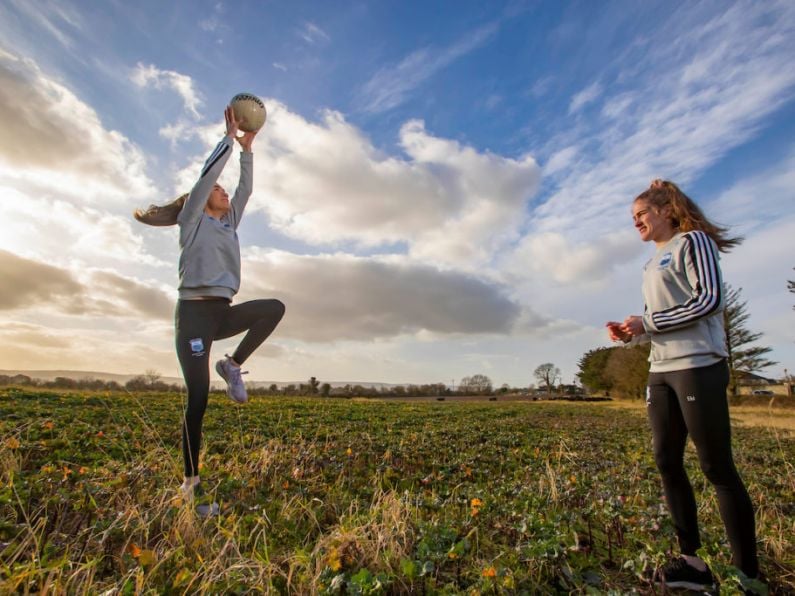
[(616, 333), (232, 125)]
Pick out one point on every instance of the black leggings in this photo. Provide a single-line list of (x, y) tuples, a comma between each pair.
[(198, 323), (694, 402)]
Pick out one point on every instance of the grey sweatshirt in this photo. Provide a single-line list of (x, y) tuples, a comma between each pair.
[(209, 262), (683, 296)]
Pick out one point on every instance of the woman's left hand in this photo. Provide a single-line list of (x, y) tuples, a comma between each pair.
[(633, 325), (246, 139)]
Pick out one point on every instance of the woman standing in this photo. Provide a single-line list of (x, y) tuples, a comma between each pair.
[(686, 393), (209, 277)]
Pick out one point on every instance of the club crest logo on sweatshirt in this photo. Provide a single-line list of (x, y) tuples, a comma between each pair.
[(665, 260)]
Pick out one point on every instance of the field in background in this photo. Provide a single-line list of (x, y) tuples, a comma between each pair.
[(362, 497)]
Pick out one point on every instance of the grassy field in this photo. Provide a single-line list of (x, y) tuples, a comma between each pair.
[(362, 497)]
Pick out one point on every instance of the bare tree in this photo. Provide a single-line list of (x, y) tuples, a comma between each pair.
[(547, 374), (152, 376), (475, 384)]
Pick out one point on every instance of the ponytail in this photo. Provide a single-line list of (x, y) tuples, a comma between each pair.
[(684, 214), (161, 215)]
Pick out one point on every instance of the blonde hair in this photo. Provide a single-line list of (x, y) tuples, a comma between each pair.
[(161, 215), (684, 214)]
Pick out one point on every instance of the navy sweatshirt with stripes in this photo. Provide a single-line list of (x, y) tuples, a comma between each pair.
[(209, 261), (684, 300)]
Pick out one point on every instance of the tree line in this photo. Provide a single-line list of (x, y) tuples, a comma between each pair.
[(618, 371), (478, 384)]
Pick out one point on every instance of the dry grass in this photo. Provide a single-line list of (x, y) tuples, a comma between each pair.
[(756, 416), (314, 493)]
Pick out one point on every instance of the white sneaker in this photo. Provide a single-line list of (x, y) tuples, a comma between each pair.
[(232, 374)]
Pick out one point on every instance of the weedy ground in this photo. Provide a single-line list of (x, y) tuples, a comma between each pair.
[(333, 496)]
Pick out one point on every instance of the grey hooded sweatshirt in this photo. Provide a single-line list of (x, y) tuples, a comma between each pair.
[(684, 300), (209, 262)]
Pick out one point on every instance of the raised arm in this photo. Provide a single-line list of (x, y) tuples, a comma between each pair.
[(197, 199), (246, 181)]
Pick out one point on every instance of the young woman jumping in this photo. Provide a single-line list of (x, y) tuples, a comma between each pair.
[(209, 277), (686, 394)]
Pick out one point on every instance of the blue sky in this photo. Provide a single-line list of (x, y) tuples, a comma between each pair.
[(441, 189)]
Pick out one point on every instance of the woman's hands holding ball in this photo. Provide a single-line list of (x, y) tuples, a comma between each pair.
[(232, 128)]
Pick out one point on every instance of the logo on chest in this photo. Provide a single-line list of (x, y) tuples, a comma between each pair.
[(665, 261)]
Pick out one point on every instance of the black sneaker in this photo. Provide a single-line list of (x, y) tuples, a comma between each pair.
[(678, 573), (203, 504)]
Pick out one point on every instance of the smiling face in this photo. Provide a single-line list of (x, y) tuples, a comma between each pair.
[(218, 203), (652, 223)]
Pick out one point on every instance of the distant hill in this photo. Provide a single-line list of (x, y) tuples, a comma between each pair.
[(50, 375)]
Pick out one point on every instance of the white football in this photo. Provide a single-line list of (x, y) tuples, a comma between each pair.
[(250, 109)]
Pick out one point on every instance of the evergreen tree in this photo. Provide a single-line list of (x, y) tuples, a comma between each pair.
[(742, 357), (593, 366), (627, 370)]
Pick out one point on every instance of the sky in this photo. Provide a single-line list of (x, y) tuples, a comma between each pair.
[(441, 189)]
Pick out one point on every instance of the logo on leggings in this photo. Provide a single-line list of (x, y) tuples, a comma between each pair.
[(648, 395), (691, 398), (196, 346)]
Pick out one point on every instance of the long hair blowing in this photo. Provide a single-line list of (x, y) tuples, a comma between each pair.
[(684, 214), (161, 215)]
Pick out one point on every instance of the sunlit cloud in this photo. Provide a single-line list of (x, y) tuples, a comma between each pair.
[(49, 138), (150, 75), (325, 183)]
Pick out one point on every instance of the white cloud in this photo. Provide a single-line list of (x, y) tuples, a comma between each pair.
[(312, 34), (211, 24), (56, 19), (391, 86), (50, 139), (552, 258), (759, 200), (28, 344), (560, 160), (584, 97), (324, 183), (55, 230), (675, 124), (145, 76)]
